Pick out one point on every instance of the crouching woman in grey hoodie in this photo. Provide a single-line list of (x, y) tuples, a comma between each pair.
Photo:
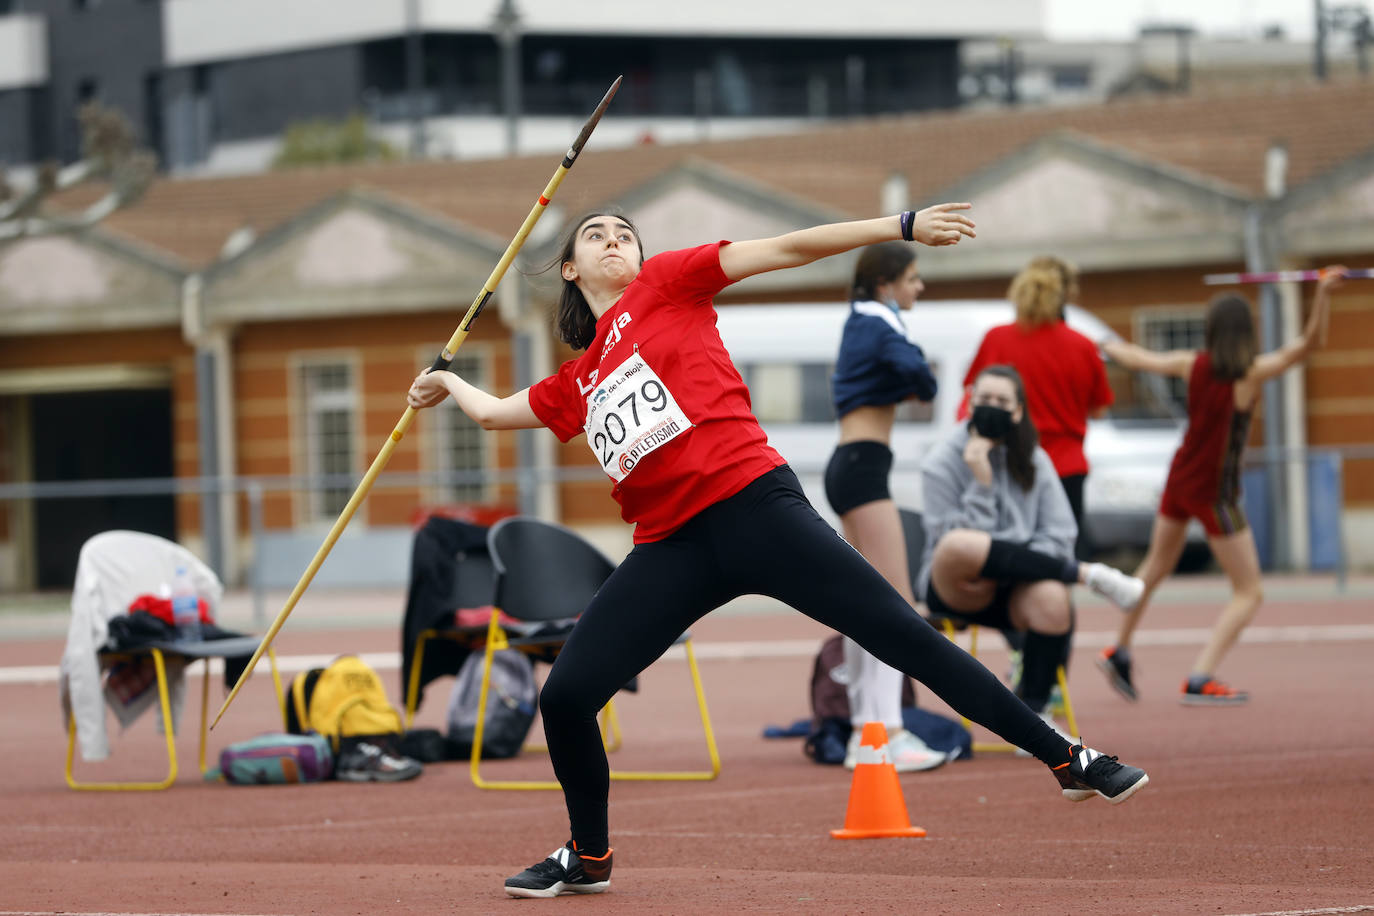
[(1000, 534)]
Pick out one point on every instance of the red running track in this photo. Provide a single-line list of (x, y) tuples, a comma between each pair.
[(1262, 809)]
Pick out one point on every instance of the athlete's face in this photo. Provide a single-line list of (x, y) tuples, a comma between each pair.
[(606, 254), (995, 391), (904, 289)]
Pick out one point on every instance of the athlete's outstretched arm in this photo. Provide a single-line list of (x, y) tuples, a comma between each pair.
[(1178, 363), (487, 410), (1268, 365), (937, 225)]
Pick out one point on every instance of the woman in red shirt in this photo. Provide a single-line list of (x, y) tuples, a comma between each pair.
[(1066, 383), (717, 512), (1224, 383)]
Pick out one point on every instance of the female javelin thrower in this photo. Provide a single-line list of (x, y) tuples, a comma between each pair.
[(1224, 382), (717, 512)]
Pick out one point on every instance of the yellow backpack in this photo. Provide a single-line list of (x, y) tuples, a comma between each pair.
[(344, 700)]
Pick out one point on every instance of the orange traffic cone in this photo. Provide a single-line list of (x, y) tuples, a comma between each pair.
[(876, 808)]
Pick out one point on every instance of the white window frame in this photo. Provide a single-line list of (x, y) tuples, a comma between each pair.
[(314, 506), (448, 420), (1146, 324)]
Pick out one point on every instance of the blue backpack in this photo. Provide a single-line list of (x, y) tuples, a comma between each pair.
[(829, 728)]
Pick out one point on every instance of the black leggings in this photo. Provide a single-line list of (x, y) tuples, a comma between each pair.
[(766, 540), (1073, 489)]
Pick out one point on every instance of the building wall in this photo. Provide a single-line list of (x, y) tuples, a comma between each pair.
[(158, 348), (115, 43), (259, 96), (1340, 388), (22, 123), (387, 352)]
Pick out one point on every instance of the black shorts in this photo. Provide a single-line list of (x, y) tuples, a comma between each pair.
[(996, 614), (857, 475)]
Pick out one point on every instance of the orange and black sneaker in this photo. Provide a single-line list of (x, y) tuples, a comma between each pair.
[(1088, 772), (563, 872), (1211, 692), (1116, 664)]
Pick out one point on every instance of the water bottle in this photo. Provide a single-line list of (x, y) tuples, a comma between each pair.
[(185, 606)]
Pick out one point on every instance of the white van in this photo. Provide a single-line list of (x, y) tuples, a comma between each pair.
[(786, 354)]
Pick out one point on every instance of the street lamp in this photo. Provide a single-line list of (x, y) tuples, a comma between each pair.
[(506, 27)]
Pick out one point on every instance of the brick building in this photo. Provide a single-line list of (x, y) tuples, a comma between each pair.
[(278, 318)]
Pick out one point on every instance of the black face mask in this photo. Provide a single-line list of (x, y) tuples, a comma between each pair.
[(991, 422)]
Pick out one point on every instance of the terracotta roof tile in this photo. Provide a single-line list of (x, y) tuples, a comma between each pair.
[(1221, 136)]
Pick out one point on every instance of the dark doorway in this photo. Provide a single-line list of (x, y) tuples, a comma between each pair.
[(98, 435)]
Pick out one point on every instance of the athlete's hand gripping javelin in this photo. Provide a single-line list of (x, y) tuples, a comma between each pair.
[(432, 387)]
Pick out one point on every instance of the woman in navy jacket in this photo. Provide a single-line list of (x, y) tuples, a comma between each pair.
[(878, 367)]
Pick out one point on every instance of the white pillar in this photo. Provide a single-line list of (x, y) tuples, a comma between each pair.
[(220, 340), (549, 506), (1294, 433), (526, 318)]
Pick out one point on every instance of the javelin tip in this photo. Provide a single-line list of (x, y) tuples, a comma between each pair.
[(591, 123)]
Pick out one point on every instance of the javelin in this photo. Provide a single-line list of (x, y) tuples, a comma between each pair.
[(443, 361), (1281, 276)]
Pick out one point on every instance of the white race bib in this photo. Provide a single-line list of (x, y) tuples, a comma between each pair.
[(629, 415)]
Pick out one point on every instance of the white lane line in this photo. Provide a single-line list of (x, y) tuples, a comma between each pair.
[(1324, 911), (807, 648)]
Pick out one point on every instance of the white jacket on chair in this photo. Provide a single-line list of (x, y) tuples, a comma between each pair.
[(113, 569)]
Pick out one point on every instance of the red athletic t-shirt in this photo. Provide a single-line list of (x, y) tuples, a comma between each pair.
[(666, 414), (1065, 381)]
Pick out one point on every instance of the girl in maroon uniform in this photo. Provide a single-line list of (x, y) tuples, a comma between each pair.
[(717, 512), (1224, 383)]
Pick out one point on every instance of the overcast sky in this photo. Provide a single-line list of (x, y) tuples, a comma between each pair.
[(1120, 19)]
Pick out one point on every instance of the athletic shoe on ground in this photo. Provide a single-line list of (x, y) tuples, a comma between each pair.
[(368, 762), (563, 872), (1212, 692), (1048, 716), (910, 754), (1118, 671), (851, 750), (907, 752), (1120, 589), (1089, 772)]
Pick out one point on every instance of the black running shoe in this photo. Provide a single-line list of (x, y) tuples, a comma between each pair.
[(1089, 772), (368, 762), (1118, 671), (564, 872)]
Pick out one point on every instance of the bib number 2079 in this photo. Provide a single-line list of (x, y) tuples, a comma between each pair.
[(630, 415)]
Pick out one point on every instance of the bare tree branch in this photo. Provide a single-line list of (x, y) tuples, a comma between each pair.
[(109, 152)]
